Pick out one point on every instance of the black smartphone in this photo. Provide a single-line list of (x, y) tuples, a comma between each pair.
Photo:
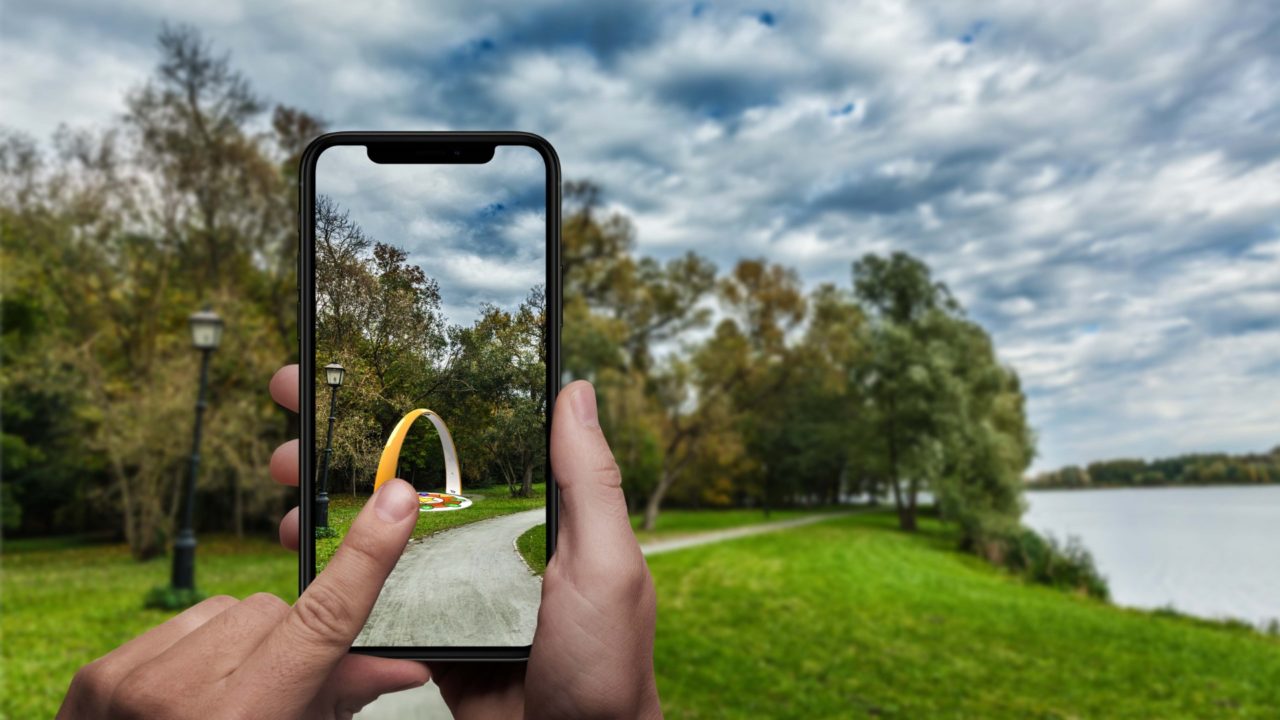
[(429, 325)]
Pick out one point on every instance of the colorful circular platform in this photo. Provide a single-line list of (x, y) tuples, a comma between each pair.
[(440, 502)]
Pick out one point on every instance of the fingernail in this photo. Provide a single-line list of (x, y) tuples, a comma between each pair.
[(584, 406), (410, 686), (395, 502)]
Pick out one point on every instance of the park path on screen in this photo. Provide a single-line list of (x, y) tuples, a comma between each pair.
[(469, 580)]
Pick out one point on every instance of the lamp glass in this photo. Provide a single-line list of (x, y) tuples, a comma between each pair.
[(206, 330), (333, 374)]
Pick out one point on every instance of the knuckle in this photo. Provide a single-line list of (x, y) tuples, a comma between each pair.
[(140, 695), (267, 603), (324, 615), (92, 681), (217, 604), (360, 549), (606, 471)]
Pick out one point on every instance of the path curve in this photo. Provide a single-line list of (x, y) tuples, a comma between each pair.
[(469, 578)]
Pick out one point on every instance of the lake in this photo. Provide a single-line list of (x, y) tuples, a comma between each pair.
[(1207, 551)]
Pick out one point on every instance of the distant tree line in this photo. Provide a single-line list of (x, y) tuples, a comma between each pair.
[(1191, 469)]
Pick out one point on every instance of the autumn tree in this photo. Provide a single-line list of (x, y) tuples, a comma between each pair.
[(128, 230), (739, 370)]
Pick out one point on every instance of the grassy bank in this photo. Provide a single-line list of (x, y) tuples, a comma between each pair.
[(852, 618), (487, 503), (64, 606)]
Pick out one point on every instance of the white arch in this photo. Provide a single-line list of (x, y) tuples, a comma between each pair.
[(391, 452)]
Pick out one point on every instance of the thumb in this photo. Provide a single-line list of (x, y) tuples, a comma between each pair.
[(302, 651), (595, 512)]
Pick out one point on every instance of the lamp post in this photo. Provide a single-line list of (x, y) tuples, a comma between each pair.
[(333, 375), (206, 333)]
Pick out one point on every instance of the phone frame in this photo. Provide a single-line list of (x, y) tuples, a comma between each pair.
[(306, 346)]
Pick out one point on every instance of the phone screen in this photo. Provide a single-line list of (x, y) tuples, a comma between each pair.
[(434, 290)]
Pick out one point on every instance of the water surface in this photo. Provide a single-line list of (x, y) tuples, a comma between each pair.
[(1207, 551)]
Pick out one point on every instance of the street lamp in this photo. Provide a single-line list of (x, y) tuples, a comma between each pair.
[(206, 333), (333, 375)]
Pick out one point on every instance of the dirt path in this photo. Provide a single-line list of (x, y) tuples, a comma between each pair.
[(471, 578)]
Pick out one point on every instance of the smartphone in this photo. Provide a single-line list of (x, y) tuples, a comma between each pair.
[(429, 327)]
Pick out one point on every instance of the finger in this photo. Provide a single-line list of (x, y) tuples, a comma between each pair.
[(284, 463), (284, 387), (587, 476), (289, 530), (324, 622), (222, 643), (95, 682), (361, 679)]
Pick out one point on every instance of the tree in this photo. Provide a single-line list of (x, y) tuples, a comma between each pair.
[(738, 370), (987, 443), (125, 232), (905, 378), (502, 368)]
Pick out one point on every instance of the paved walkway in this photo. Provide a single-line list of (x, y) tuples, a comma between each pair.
[(705, 538), (470, 577)]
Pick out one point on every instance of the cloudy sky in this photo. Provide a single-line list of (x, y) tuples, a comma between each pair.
[(479, 230), (1099, 182)]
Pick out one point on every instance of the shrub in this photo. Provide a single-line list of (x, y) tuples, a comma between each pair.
[(1044, 560)]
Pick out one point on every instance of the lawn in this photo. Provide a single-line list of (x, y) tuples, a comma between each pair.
[(679, 523), (533, 548), (844, 619), (64, 606), (486, 503), (851, 618)]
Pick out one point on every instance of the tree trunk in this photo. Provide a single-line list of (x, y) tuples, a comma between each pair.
[(654, 504), (906, 515), (238, 511), (526, 487), (908, 522)]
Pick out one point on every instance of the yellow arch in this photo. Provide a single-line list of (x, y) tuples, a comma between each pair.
[(391, 452)]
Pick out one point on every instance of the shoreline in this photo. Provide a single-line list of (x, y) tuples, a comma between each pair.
[(1183, 486)]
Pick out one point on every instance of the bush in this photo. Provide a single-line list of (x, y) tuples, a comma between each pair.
[(1044, 560), (164, 597)]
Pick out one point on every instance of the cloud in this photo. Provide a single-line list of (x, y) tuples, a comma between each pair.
[(1099, 182), (478, 230)]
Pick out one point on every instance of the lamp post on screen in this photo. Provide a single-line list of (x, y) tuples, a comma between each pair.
[(206, 334), (333, 375)]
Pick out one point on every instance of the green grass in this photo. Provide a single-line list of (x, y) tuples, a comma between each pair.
[(487, 503), (64, 606), (844, 619), (677, 523), (853, 619), (533, 548)]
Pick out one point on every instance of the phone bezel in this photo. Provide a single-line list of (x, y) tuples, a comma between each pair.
[(306, 336)]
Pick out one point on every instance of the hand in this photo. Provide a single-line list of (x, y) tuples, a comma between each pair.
[(260, 657), (593, 650)]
